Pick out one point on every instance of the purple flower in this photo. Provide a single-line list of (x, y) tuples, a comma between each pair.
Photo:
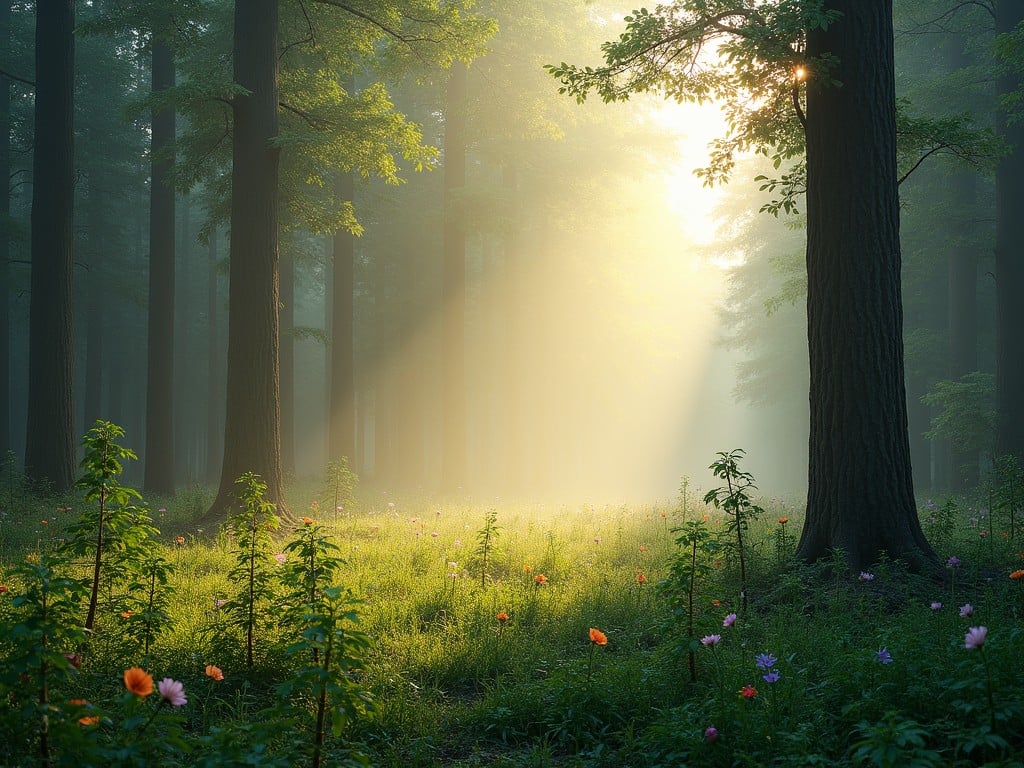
[(953, 562), (936, 606), (729, 620), (711, 733), (765, 660), (711, 640), (866, 576), (884, 656), (975, 637), (966, 610), (771, 677), (281, 557), (173, 691)]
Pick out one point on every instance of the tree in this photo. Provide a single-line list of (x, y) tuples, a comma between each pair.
[(341, 393), (837, 58), (49, 445)]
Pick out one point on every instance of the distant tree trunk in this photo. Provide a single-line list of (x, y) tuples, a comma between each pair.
[(6, 442), (342, 392), (252, 423), (1009, 263), (860, 489), (50, 443), (963, 312), (159, 454), (286, 308), (96, 300), (453, 292), (214, 384)]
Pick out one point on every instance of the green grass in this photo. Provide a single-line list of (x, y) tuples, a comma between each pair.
[(455, 687)]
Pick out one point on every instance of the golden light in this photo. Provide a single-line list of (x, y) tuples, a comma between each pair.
[(800, 74)]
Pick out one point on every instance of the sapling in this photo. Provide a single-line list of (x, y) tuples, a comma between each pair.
[(485, 542), (734, 498), (340, 482), (692, 538)]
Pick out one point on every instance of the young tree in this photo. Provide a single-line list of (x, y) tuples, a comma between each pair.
[(837, 58), (49, 446)]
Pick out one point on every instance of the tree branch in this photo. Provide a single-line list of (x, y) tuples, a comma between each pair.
[(387, 29), (12, 76)]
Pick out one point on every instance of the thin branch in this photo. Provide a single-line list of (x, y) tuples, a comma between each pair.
[(312, 121), (387, 29), (796, 105), (309, 26), (12, 76), (920, 160)]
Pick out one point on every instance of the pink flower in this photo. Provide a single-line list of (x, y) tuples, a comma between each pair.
[(711, 733), (966, 610), (173, 691), (711, 640), (975, 637), (866, 576), (936, 606), (729, 620), (281, 557)]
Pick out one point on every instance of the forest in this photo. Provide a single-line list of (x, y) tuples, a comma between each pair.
[(523, 383)]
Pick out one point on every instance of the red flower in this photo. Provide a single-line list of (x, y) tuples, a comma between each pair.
[(1018, 574), (502, 617), (540, 579), (748, 691)]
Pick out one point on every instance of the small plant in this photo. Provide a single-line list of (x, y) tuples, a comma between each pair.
[(485, 538), (340, 484), (1008, 495), (692, 538), (251, 574), (734, 498)]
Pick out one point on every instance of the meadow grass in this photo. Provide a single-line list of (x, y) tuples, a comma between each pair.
[(868, 671)]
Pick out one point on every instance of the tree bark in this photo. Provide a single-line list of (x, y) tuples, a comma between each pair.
[(252, 423), (342, 393), (286, 319), (95, 318), (453, 292), (49, 445), (214, 384), (1009, 264), (860, 487), (6, 442), (159, 454)]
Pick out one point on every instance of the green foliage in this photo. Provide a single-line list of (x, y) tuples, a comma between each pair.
[(893, 743), (965, 411), (1008, 494), (485, 543), (252, 573), (340, 484)]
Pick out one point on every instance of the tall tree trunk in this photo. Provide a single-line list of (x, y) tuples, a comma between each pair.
[(6, 442), (252, 422), (96, 287), (1009, 263), (342, 391), (50, 445), (159, 454), (453, 292), (286, 318), (860, 489), (214, 384)]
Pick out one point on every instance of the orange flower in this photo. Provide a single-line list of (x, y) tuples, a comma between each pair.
[(640, 578), (127, 614), (597, 637), (3, 588), (179, 539), (783, 520), (502, 617), (540, 578), (527, 568), (1018, 574), (214, 672), (716, 603), (78, 703), (307, 521), (138, 681), (91, 720), (748, 691)]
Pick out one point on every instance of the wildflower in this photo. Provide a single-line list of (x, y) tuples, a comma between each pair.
[(936, 606), (1016, 575), (643, 547), (307, 521), (434, 535), (729, 620), (502, 617), (173, 691), (710, 733), (74, 659), (597, 637), (953, 562), (42, 522), (716, 603), (138, 681), (983, 534), (640, 578), (88, 720), (771, 677), (783, 520), (280, 557), (866, 576), (884, 656), (218, 603), (214, 672), (966, 610), (78, 703), (540, 579), (4, 589), (127, 614), (179, 539), (975, 637), (748, 691), (527, 569), (711, 640), (765, 660)]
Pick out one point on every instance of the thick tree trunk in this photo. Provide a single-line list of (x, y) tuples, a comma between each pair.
[(96, 286), (159, 453), (214, 384), (1010, 264), (860, 489), (6, 442), (50, 444), (453, 292), (252, 423), (342, 393), (286, 319)]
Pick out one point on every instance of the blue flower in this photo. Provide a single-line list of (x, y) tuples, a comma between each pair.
[(765, 661), (771, 677), (884, 656)]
